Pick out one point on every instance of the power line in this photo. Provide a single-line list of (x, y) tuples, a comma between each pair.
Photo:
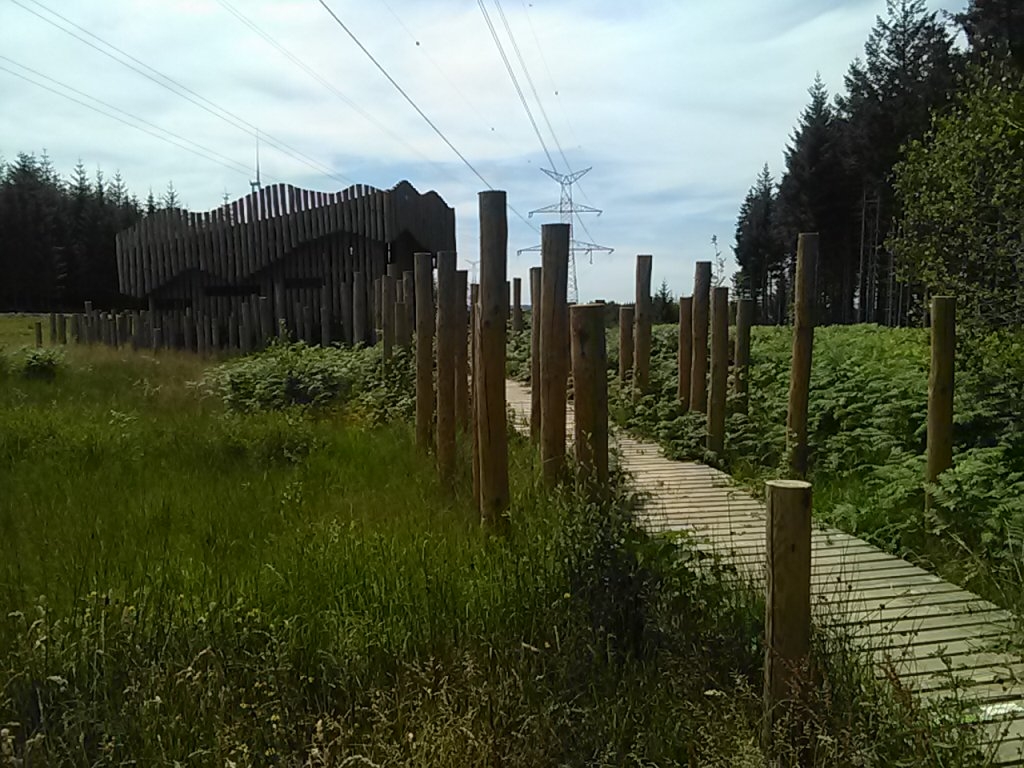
[(415, 106), (179, 89), (199, 153), (515, 80), (323, 81), (529, 80), (228, 162)]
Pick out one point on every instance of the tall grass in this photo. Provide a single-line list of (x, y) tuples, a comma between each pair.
[(186, 584)]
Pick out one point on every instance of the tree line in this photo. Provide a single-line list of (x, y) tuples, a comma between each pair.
[(57, 235), (910, 175)]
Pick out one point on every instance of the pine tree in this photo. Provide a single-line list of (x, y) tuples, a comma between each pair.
[(758, 250), (170, 198), (996, 28)]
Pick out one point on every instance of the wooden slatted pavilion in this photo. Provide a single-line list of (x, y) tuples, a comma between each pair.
[(298, 250)]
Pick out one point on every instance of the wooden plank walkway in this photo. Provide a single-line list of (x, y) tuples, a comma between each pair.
[(939, 639)]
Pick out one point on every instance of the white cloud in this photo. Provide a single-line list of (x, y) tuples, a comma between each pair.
[(676, 105)]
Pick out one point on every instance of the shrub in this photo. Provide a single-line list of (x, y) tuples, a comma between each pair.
[(41, 363)]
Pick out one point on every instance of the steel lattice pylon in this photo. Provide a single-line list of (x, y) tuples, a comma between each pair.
[(566, 210)]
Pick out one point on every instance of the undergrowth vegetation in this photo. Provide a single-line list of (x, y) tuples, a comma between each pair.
[(867, 433), (252, 565)]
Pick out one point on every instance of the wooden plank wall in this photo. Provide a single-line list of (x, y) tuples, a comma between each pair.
[(215, 265)]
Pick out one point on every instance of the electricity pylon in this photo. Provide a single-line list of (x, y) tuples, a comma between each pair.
[(566, 210)]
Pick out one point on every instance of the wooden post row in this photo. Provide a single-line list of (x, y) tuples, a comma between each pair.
[(553, 357), (642, 341), (490, 408), (699, 369), (803, 340), (446, 343), (590, 396), (536, 288), (424, 350)]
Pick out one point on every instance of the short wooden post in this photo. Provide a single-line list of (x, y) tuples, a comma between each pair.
[(53, 329), (536, 288), (359, 334), (590, 396), (644, 309), (517, 304), (474, 401), (553, 358), (158, 339), (492, 418), (626, 318), (684, 351), (940, 388), (446, 343), (403, 333), (76, 328), (88, 324), (245, 332), (280, 312), (378, 328), (409, 289), (701, 311), (39, 334), (719, 370), (803, 340), (387, 309), (462, 349), (787, 604), (741, 379), (62, 329), (424, 350)]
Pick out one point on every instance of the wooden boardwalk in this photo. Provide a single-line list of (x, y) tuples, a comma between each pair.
[(939, 639)]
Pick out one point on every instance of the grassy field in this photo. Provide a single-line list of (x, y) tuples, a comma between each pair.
[(190, 578)]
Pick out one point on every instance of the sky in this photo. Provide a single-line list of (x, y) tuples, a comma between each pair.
[(675, 106)]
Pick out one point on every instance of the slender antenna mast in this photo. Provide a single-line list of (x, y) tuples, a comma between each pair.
[(258, 183)]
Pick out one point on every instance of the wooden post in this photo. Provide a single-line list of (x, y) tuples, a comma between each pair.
[(280, 312), (76, 328), (359, 335), (424, 350), (39, 334), (517, 304), (474, 354), (803, 340), (642, 342), (741, 380), (684, 352), (446, 343), (553, 357), (787, 602), (53, 329), (158, 339), (492, 422), (699, 369), (62, 329), (719, 370), (626, 319), (402, 332), (266, 329), (590, 396), (387, 310), (325, 318), (462, 350), (940, 388), (536, 288), (409, 289)]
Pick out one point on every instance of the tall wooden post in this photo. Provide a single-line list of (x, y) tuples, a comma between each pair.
[(492, 424), (787, 602), (590, 396), (387, 314), (626, 318), (536, 287), (424, 350), (741, 380), (462, 350), (517, 304), (644, 319), (684, 351), (940, 388), (554, 333), (803, 340), (359, 334), (699, 369), (446, 343), (719, 370), (474, 384)]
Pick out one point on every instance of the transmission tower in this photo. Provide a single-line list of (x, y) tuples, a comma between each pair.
[(567, 210)]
